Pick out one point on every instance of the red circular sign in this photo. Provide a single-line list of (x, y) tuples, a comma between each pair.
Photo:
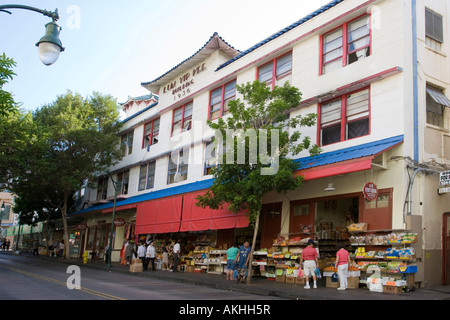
[(81, 226), (118, 222), (370, 191)]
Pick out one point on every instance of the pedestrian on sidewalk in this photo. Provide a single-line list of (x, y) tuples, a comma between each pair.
[(342, 263), (176, 255), (141, 253), (242, 258), (129, 251), (165, 256), (36, 248), (231, 261), (310, 262), (150, 255), (61, 249)]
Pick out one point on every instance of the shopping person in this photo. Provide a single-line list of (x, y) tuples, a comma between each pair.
[(310, 262), (176, 255), (150, 256), (231, 261), (141, 254), (342, 263), (242, 261)]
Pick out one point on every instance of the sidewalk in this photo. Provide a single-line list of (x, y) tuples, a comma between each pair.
[(262, 286)]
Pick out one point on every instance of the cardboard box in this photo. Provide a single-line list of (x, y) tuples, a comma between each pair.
[(300, 281), (189, 268), (290, 279), (280, 278), (136, 267), (353, 283), (331, 284), (392, 289)]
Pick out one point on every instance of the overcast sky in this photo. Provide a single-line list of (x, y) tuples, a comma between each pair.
[(112, 46)]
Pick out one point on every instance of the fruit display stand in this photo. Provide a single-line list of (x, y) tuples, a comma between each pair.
[(215, 261), (388, 255)]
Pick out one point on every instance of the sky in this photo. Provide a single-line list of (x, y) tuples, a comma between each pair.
[(113, 46)]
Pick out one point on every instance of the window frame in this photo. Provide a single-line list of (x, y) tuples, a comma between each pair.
[(183, 119), (180, 164), (343, 123), (345, 43), (223, 100), (123, 180), (433, 36), (152, 134), (148, 166), (274, 64), (102, 188), (125, 143)]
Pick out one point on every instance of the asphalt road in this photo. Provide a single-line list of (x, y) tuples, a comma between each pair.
[(27, 279)]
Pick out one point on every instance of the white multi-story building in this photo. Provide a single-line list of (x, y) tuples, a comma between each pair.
[(377, 73)]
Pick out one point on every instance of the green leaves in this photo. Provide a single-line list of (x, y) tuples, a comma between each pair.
[(7, 103), (262, 116)]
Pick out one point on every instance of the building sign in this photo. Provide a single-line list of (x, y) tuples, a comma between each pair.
[(370, 191), (81, 226), (118, 222), (182, 86), (444, 179)]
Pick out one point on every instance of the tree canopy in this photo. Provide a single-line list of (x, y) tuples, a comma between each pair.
[(256, 143), (74, 138)]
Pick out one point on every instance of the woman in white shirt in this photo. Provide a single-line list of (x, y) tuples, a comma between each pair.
[(141, 253), (150, 256)]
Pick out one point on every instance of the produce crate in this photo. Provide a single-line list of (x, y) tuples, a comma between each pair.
[(290, 279), (392, 289), (280, 278), (300, 281), (353, 283), (331, 284)]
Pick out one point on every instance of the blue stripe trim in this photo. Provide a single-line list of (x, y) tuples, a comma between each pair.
[(364, 150)]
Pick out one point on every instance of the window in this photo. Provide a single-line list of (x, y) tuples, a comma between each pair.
[(436, 103), (276, 71), (178, 167), (102, 188), (219, 99), (211, 156), (151, 133), (123, 179), (127, 143), (147, 176), (434, 30), (346, 45), (345, 118), (182, 119)]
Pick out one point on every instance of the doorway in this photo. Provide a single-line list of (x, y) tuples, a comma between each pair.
[(446, 248)]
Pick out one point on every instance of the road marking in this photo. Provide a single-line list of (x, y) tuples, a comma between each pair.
[(94, 292)]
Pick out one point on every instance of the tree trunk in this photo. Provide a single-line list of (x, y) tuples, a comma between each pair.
[(250, 260), (66, 231)]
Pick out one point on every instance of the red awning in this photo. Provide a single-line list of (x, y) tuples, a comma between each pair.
[(199, 219), (159, 216), (336, 169)]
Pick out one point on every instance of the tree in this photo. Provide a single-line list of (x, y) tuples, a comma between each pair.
[(7, 103), (76, 138), (260, 120)]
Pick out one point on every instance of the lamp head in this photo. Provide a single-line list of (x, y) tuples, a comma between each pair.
[(50, 46)]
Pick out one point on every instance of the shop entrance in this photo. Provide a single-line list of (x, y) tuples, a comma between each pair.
[(446, 248), (97, 240)]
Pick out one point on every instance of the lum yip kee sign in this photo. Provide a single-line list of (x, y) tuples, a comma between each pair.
[(370, 191), (444, 182)]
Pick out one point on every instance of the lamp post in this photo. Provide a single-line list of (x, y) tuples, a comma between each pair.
[(49, 45)]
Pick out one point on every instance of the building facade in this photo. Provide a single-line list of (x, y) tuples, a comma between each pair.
[(376, 72)]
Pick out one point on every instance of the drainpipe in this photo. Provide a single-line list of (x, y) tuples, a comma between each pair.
[(410, 186), (415, 81)]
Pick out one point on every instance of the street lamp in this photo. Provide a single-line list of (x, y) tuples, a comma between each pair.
[(49, 45)]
